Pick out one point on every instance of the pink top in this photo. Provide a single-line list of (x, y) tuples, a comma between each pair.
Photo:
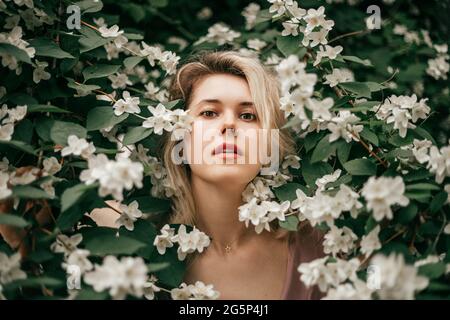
[(305, 245)]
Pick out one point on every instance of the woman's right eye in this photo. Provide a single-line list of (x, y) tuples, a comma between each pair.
[(208, 113)]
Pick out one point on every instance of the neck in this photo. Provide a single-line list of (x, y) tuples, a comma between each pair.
[(217, 213)]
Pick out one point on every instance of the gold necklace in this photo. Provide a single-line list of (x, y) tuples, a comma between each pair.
[(227, 246)]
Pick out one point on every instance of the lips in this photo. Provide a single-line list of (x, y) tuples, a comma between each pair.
[(227, 148)]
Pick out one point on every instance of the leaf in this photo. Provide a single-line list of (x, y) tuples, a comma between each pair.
[(13, 220), (323, 150), (136, 134), (369, 136), (105, 244), (29, 192), (263, 16), (19, 145), (159, 3), (47, 48), (291, 223), (438, 201), (91, 39), (61, 130), (99, 71), (73, 194), (131, 62), (103, 117), (407, 214), (154, 267), (366, 62), (89, 6), (422, 186), (312, 171), (374, 86), (360, 167), (36, 282), (343, 151), (360, 89), (289, 45), (432, 270), (45, 108), (19, 54), (288, 191), (424, 134)]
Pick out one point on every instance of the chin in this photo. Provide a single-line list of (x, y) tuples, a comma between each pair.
[(227, 173)]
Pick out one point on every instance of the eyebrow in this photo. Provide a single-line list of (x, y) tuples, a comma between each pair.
[(217, 101)]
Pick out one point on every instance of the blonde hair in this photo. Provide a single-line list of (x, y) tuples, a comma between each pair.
[(265, 91)]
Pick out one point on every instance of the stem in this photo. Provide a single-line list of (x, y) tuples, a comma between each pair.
[(365, 145), (90, 25), (354, 33)]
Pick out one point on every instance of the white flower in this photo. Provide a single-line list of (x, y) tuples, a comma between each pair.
[(357, 290), (6, 132), (447, 227), (129, 215), (292, 161), (126, 104), (161, 119), (15, 114), (4, 190), (65, 244), (327, 52), (150, 288), (339, 240), (256, 44), (113, 176), (169, 61), (438, 67), (250, 13), (79, 258), (48, 188), (197, 291), (342, 126), (370, 242), (190, 242), (290, 28), (10, 268), (24, 178), (339, 76), (127, 276), (164, 240), (78, 147), (320, 108), (220, 33), (39, 72), (110, 32), (119, 80), (182, 123), (420, 150), (398, 281), (328, 178), (383, 192), (439, 162), (51, 166)]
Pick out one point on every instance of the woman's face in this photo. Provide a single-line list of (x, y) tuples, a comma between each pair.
[(220, 103)]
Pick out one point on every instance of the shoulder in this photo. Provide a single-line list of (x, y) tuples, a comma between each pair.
[(309, 241)]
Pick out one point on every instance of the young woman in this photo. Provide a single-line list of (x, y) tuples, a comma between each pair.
[(229, 94)]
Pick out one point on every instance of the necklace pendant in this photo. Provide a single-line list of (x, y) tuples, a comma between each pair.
[(227, 248)]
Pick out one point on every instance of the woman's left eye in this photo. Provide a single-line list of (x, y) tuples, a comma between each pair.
[(248, 116)]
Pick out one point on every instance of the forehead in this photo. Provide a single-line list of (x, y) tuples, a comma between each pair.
[(223, 87)]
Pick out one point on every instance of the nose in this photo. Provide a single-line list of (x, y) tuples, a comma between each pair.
[(228, 123)]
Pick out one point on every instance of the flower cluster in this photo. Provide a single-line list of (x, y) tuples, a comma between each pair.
[(437, 160), (197, 291), (188, 242), (8, 117)]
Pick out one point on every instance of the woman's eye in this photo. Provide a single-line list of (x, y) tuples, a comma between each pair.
[(208, 113), (248, 116)]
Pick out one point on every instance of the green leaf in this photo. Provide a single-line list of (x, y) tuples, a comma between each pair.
[(136, 134), (89, 6), (86, 88), (343, 151), (323, 150), (432, 270), (29, 192), (422, 186), (159, 3), (374, 86), (263, 16), (366, 62), (438, 201), (74, 194), (361, 167), (45, 108), (288, 191), (13, 220), (91, 39), (407, 214), (312, 171), (360, 89), (291, 223), (369, 136), (47, 48), (154, 267), (131, 62), (19, 145), (99, 71), (105, 244), (424, 134), (37, 282), (103, 117), (61, 130), (290, 45), (19, 54)]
